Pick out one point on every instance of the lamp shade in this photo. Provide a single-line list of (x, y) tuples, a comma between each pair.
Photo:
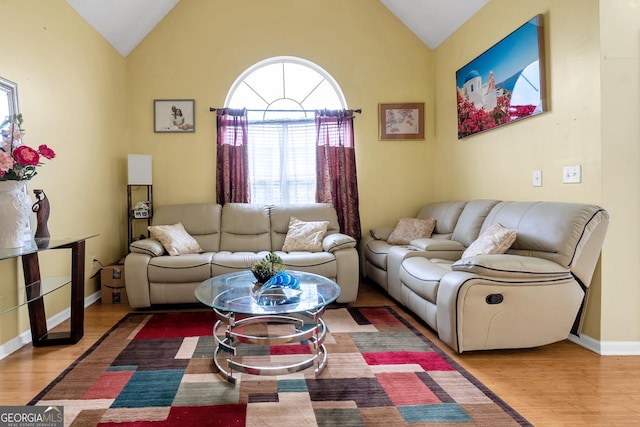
[(139, 169)]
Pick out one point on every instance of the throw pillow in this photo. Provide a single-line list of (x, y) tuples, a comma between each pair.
[(305, 235), (495, 240), (411, 228), (175, 239)]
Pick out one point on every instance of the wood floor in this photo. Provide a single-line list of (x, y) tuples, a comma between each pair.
[(560, 384)]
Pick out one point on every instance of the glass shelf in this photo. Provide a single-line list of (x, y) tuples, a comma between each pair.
[(18, 297), (39, 245)]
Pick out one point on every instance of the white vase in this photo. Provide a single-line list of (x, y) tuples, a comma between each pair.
[(15, 207)]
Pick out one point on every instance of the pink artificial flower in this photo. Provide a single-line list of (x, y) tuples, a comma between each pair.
[(26, 156), (46, 152), (6, 162)]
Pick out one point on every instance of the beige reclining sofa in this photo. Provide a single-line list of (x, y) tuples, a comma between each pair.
[(529, 296), (232, 237)]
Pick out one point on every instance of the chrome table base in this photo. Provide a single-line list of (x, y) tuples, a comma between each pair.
[(226, 342)]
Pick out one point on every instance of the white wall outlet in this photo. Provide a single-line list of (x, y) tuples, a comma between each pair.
[(571, 174), (536, 179)]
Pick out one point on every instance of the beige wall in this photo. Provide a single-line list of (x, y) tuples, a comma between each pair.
[(71, 93), (620, 71), (499, 163), (198, 51)]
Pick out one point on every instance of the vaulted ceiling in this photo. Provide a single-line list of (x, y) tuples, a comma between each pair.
[(124, 23)]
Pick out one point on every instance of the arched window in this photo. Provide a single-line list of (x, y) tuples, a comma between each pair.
[(281, 95)]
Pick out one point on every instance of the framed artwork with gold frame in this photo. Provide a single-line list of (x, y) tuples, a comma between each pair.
[(401, 121)]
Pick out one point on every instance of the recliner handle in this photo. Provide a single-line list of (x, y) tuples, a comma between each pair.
[(494, 298)]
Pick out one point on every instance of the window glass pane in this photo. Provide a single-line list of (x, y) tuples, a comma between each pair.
[(323, 97), (267, 82), (244, 97), (300, 81), (282, 152)]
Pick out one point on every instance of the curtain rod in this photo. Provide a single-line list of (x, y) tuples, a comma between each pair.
[(359, 110)]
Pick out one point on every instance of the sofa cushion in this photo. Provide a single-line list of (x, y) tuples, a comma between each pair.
[(322, 263), (411, 228), (304, 235), (423, 276), (381, 233), (471, 220), (494, 240), (175, 239), (201, 220), (180, 269), (225, 262), (376, 252), (446, 215), (245, 228)]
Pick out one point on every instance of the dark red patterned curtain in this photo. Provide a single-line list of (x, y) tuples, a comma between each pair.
[(232, 166), (336, 180)]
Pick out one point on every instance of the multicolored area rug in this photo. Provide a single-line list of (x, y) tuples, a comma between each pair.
[(155, 369)]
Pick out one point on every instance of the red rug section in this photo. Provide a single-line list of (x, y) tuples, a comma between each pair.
[(380, 317), (429, 361), (194, 416), (108, 385), (280, 350), (178, 325), (406, 389)]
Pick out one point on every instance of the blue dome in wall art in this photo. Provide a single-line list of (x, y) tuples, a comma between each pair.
[(472, 75)]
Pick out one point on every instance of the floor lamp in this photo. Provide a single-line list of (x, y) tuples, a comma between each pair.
[(139, 175)]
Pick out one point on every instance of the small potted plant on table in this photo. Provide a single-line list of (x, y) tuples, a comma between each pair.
[(266, 268)]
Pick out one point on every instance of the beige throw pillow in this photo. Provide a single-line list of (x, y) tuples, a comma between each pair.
[(495, 240), (411, 228), (175, 239), (305, 235)]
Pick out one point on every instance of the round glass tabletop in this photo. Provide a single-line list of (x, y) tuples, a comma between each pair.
[(234, 292)]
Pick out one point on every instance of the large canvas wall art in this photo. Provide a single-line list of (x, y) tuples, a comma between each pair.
[(504, 84)]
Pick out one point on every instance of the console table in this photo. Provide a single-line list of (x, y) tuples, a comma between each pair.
[(36, 288)]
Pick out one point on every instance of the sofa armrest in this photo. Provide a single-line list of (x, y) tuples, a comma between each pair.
[(381, 233), (150, 247), (136, 279), (512, 266), (438, 245), (336, 241)]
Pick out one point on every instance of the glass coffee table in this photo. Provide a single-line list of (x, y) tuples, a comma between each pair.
[(237, 306)]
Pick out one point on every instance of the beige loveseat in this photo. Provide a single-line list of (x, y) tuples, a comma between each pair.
[(530, 296), (232, 237)]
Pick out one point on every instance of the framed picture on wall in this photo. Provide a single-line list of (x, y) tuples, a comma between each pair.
[(504, 84), (401, 121), (174, 115)]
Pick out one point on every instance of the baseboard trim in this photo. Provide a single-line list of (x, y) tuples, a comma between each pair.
[(24, 338), (607, 348)]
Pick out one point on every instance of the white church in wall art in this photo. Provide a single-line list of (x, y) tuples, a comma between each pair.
[(480, 96)]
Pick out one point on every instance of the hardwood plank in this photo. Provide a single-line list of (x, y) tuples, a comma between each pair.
[(561, 384)]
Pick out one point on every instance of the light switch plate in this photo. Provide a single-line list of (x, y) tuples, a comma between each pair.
[(571, 174), (536, 179)]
